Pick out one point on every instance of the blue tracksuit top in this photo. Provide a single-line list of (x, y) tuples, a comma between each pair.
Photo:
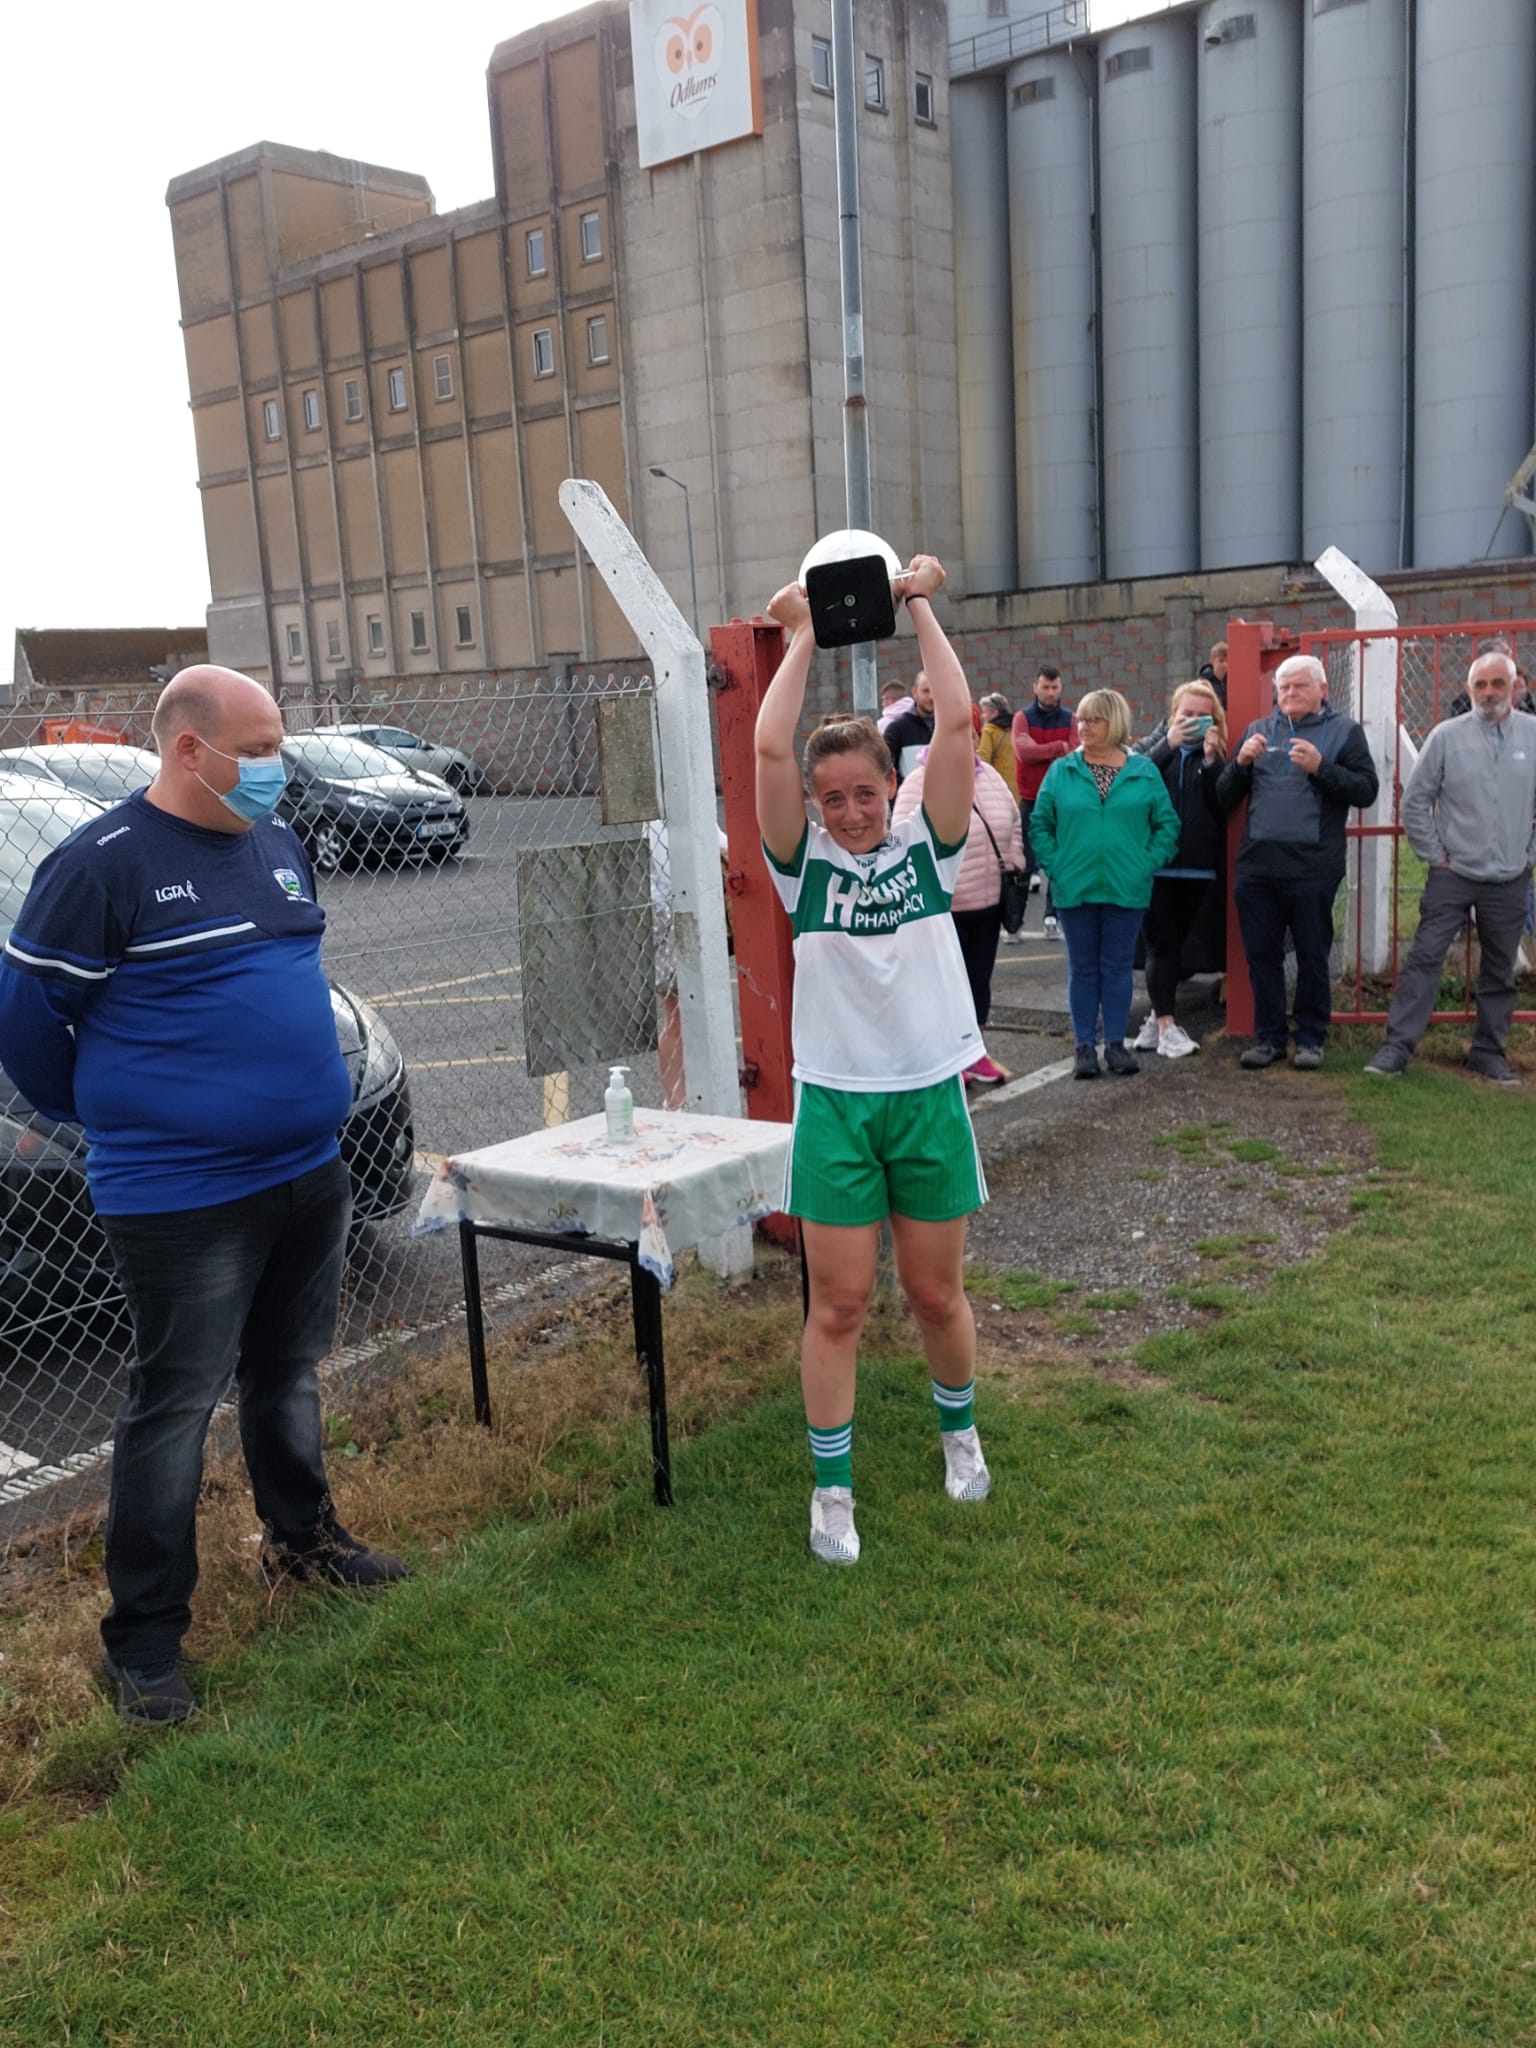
[(162, 986)]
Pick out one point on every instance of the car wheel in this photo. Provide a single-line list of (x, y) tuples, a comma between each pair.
[(327, 848)]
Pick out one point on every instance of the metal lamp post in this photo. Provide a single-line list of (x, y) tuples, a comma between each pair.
[(693, 576)]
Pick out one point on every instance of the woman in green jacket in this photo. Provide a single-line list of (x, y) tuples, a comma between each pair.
[(1101, 828)]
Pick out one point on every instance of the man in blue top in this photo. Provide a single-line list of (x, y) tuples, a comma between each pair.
[(162, 986)]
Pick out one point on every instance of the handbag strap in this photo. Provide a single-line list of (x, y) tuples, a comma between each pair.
[(976, 813)]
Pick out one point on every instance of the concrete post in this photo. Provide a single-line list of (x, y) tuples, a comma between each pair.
[(688, 806)]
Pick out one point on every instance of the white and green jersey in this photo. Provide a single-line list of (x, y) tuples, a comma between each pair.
[(881, 996)]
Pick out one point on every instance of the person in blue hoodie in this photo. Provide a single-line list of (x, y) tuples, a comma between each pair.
[(1303, 770)]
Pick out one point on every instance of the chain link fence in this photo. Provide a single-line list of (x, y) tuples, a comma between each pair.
[(495, 935)]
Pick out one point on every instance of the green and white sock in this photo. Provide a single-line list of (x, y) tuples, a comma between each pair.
[(832, 1450), (954, 1405)]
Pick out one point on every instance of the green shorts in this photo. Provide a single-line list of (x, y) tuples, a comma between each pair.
[(856, 1159)]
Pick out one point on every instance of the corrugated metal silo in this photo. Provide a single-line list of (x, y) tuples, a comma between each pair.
[(1147, 266), (1475, 81), (1249, 70), (984, 323), (1354, 104), (1050, 211)]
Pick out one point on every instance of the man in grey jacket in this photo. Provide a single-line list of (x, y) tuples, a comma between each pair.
[(1469, 810)]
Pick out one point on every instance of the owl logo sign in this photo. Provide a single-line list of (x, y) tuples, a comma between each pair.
[(696, 76), (688, 50)]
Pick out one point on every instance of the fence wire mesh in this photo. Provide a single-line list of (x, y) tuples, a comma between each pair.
[(492, 945)]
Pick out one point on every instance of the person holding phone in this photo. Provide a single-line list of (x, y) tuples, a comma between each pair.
[(1303, 770), (1189, 757)]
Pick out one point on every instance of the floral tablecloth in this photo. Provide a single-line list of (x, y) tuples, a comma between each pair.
[(681, 1179)]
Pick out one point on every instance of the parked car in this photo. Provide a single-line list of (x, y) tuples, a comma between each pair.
[(105, 772), (351, 803), (459, 770), (55, 1269)]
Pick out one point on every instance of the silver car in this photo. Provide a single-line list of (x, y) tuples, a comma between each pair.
[(106, 773), (459, 770)]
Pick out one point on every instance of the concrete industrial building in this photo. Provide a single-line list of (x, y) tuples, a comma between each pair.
[(1204, 293), (386, 399), (1253, 277)]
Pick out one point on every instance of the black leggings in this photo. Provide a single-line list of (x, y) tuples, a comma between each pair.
[(1171, 917), (978, 932)]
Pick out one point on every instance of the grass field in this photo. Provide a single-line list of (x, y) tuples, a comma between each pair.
[(1214, 1725)]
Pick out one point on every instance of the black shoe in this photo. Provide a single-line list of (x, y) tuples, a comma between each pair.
[(1390, 1061), (1119, 1058), (1262, 1055), (1492, 1066), (1085, 1063), (148, 1699), (334, 1558)]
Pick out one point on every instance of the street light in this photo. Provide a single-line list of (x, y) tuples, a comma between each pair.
[(693, 578)]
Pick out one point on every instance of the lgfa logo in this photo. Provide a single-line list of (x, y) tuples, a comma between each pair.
[(177, 892), (688, 52)]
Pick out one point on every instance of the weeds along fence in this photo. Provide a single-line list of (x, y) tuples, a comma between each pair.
[(495, 928)]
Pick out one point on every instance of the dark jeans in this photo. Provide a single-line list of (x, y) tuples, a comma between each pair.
[(1443, 908), (1101, 960), (1031, 866), (978, 932), (248, 1288), (1266, 911), (1171, 916)]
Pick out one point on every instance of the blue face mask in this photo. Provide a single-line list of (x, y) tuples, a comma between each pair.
[(261, 783)]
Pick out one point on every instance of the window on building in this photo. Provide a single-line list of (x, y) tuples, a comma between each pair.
[(1033, 89), (874, 82), (922, 99), (543, 352), (272, 419), (311, 411), (464, 625), (1125, 61), (397, 391), (418, 632), (821, 64), (591, 237), (352, 398), (295, 644), (375, 634), (333, 640), (442, 375), (597, 338), (538, 261), (997, 10)]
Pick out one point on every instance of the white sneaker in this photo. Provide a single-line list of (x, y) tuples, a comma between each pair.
[(1146, 1038), (834, 1539), (1052, 928), (965, 1470), (1176, 1043)]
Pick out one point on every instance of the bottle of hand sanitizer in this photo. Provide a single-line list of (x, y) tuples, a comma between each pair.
[(619, 1106)]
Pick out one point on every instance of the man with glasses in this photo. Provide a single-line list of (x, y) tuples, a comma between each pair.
[(1303, 770), (1469, 811)]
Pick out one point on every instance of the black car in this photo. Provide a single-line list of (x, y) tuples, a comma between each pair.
[(55, 1270), (353, 804)]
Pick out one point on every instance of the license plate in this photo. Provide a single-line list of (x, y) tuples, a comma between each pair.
[(438, 828)]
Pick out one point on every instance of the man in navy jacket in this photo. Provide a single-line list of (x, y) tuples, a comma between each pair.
[(1303, 770), (162, 986)]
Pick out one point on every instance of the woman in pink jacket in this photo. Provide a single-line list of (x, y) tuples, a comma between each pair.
[(977, 906)]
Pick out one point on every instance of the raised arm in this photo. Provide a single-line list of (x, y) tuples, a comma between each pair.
[(950, 782), (780, 790)]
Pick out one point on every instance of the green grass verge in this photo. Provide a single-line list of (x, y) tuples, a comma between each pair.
[(1214, 1725)]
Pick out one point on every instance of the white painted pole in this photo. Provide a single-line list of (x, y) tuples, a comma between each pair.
[(688, 807), (1374, 682)]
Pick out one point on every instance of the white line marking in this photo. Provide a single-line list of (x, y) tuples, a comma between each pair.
[(13, 1461), (1026, 1084)]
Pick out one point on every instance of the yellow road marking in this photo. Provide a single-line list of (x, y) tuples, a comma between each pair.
[(448, 1002), (427, 988), (486, 1059)]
